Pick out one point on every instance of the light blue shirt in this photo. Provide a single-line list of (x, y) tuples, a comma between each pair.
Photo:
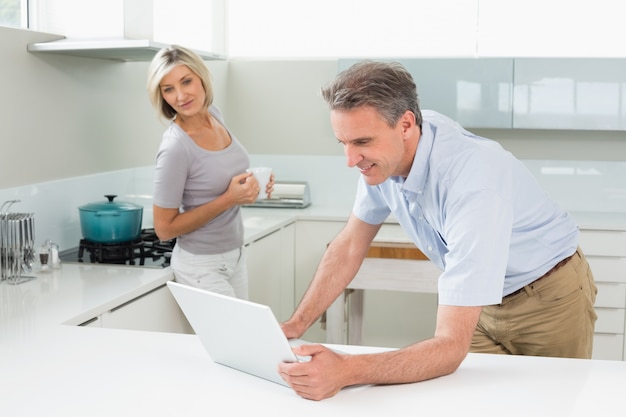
[(475, 211)]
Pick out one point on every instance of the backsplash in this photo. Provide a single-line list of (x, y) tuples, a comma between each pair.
[(578, 186), (55, 203)]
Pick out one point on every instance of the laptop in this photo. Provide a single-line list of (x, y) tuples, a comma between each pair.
[(237, 333)]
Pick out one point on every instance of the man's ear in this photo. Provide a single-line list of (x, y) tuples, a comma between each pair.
[(407, 121)]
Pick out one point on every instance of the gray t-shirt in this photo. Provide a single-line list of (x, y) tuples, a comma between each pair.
[(188, 176)]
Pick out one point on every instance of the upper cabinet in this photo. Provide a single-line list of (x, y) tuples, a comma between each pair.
[(474, 92), (570, 93), (523, 93)]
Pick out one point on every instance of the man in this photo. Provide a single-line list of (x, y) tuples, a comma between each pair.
[(514, 280)]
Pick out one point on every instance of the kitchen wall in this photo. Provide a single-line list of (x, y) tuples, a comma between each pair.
[(65, 116), (74, 129)]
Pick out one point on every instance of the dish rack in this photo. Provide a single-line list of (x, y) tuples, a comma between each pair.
[(17, 244)]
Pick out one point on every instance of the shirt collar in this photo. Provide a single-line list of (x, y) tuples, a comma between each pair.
[(416, 180)]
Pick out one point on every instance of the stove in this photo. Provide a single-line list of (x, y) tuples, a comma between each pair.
[(145, 251)]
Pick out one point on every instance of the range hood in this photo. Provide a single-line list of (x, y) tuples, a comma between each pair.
[(145, 29), (118, 49)]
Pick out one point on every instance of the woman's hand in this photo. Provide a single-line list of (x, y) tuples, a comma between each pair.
[(243, 189), (269, 189)]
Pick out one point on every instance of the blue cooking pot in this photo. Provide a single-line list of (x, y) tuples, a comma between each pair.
[(110, 221)]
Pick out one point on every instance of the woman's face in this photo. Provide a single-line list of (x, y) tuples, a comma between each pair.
[(182, 89)]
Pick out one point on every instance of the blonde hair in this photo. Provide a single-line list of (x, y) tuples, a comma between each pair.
[(162, 63)]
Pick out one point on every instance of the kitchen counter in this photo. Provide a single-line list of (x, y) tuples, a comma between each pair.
[(78, 292), (259, 219), (52, 367), (70, 295), (82, 371)]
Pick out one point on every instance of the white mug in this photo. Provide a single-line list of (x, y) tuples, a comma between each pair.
[(262, 175)]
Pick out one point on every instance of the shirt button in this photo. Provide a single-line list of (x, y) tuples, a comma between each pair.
[(430, 248)]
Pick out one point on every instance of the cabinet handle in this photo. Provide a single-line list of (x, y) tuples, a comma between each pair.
[(136, 298), (88, 322)]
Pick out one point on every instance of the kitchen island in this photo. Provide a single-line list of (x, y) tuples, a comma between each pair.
[(50, 366), (81, 371)]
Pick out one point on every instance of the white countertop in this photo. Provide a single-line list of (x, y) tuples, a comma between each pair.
[(258, 219), (81, 371), (50, 367), (70, 295)]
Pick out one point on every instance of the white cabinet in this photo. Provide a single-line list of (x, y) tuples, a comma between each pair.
[(271, 271), (156, 310), (522, 93), (474, 92), (606, 252), (569, 93)]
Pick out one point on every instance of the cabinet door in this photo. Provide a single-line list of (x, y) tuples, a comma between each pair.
[(569, 93), (608, 346), (605, 243), (474, 92), (271, 271), (156, 310)]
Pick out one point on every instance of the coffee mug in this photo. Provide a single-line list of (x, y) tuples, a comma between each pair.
[(262, 175)]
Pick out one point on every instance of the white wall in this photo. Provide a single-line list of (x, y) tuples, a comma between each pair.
[(67, 116), (425, 28)]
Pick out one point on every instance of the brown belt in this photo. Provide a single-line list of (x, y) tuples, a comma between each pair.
[(554, 268)]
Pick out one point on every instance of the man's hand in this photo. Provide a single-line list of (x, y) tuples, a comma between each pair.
[(321, 377)]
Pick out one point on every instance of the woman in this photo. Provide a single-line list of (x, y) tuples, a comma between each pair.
[(200, 177)]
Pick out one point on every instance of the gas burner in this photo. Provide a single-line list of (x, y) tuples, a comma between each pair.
[(147, 249), (113, 253)]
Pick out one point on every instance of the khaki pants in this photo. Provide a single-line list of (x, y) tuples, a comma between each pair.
[(553, 316)]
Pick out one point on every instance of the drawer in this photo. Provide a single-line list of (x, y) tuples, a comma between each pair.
[(608, 347), (607, 269), (611, 295), (603, 242), (610, 320)]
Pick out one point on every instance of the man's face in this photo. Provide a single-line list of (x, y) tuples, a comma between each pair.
[(376, 149)]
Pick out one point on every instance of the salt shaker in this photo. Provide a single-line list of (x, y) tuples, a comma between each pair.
[(55, 261), (44, 257)]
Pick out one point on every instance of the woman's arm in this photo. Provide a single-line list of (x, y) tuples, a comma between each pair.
[(170, 222)]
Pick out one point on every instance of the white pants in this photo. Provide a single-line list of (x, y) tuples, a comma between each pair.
[(224, 273)]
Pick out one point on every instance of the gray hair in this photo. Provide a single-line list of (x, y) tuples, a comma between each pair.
[(162, 63), (387, 87)]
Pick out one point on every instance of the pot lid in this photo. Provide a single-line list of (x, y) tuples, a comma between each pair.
[(111, 205)]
